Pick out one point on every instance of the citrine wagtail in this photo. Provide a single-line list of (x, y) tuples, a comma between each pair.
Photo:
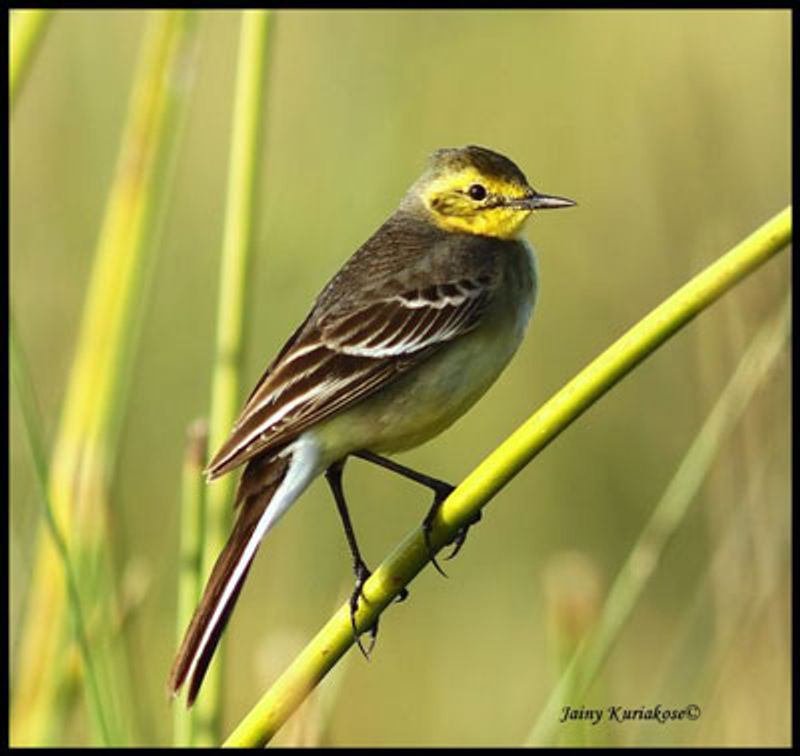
[(411, 331)]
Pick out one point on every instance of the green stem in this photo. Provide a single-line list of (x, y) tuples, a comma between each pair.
[(95, 398), (504, 463), (33, 435), (246, 142), (190, 551)]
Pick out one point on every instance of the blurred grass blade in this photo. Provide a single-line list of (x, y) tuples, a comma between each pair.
[(95, 399), (242, 201), (33, 435), (751, 602), (670, 512), (26, 32), (461, 507), (190, 555), (573, 597)]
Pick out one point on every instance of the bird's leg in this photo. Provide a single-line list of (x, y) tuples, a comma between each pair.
[(334, 477), (441, 491)]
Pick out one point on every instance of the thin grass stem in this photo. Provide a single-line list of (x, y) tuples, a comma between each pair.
[(95, 399), (190, 554), (239, 232), (33, 435)]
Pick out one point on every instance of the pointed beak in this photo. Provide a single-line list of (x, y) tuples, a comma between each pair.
[(535, 201)]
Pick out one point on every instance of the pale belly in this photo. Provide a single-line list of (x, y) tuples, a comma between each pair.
[(428, 399)]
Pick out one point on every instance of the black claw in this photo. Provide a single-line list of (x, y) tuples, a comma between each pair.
[(461, 536), (362, 574), (426, 531), (373, 636), (402, 596), (373, 632), (442, 492)]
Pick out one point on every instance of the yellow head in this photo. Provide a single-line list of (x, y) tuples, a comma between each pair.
[(476, 191)]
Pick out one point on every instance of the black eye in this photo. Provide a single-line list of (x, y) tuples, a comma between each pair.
[(477, 192)]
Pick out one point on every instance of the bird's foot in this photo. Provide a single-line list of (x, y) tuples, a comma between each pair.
[(362, 574), (441, 492), (461, 535)]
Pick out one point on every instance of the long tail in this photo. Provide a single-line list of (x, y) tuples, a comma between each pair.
[(268, 487)]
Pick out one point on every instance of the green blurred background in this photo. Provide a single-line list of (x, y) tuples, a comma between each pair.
[(671, 130)]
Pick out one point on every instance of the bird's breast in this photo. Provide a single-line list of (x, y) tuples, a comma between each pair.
[(429, 398)]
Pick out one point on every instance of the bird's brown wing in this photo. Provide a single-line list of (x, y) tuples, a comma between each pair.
[(345, 354)]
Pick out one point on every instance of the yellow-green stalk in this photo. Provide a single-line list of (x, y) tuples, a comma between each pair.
[(190, 556), (33, 434), (95, 398), (242, 202)]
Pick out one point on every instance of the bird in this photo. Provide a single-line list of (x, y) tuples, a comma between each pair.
[(402, 341)]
